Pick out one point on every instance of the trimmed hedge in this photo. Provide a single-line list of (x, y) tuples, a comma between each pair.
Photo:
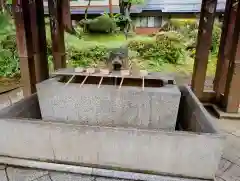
[(101, 24)]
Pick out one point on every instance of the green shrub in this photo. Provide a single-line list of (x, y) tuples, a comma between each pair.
[(181, 25), (189, 29), (172, 46), (9, 43), (101, 24), (216, 35), (132, 54), (172, 36), (140, 46), (151, 52), (9, 61), (168, 47), (87, 57), (4, 23)]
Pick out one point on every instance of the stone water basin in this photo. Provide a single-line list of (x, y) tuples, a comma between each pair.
[(192, 150), (154, 107)]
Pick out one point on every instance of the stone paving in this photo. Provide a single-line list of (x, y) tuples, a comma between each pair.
[(25, 174), (229, 167), (21, 174), (11, 97)]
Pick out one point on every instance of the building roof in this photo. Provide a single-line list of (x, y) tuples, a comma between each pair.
[(102, 9), (97, 9), (178, 6), (166, 6)]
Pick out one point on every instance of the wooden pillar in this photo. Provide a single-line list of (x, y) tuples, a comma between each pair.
[(232, 90), (25, 46), (204, 41), (39, 39), (57, 33), (224, 49), (31, 42), (66, 15)]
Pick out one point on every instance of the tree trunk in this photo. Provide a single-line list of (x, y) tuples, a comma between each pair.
[(2, 5), (110, 8), (86, 10), (85, 16), (125, 8), (121, 7)]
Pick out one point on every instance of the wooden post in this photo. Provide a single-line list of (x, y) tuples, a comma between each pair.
[(204, 41), (57, 33), (224, 49), (66, 15), (232, 90), (25, 46), (39, 39)]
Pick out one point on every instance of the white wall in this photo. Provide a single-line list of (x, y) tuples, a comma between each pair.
[(148, 22)]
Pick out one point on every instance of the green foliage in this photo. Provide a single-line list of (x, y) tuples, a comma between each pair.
[(170, 47), (6, 25), (101, 24), (134, 1), (140, 46), (170, 36), (120, 20), (189, 29), (3, 21), (9, 61), (133, 54), (91, 53), (216, 35), (93, 49), (87, 57), (183, 26), (167, 47)]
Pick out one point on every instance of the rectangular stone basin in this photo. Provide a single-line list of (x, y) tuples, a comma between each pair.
[(129, 106), (192, 152)]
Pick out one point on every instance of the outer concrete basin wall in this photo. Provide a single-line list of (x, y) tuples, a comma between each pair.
[(177, 153)]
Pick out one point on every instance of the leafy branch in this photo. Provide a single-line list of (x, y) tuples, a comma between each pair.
[(125, 10)]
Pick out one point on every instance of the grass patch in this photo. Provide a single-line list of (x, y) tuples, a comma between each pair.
[(104, 37), (89, 42)]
